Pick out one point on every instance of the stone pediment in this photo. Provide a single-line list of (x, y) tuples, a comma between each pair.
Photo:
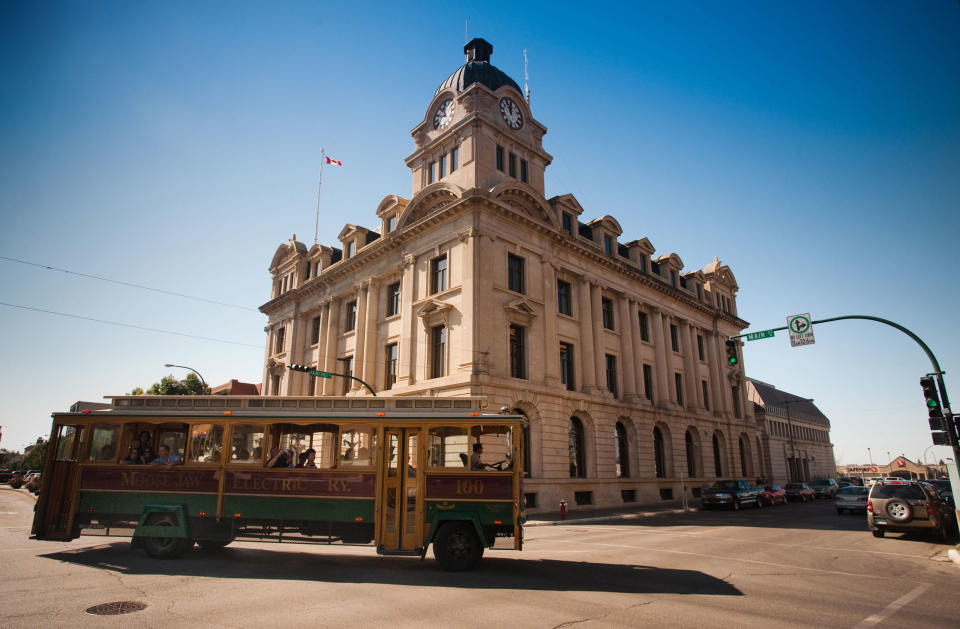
[(525, 200), (285, 252), (520, 311), (567, 202), (431, 199), (434, 312)]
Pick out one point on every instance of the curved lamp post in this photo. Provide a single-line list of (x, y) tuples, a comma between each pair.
[(202, 381)]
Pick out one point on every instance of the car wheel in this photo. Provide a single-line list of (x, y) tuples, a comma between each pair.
[(457, 547), (877, 533), (899, 510), (165, 547), (759, 503), (736, 504)]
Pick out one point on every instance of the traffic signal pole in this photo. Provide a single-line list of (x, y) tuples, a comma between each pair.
[(937, 373)]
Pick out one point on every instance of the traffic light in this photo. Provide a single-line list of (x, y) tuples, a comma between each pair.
[(299, 367), (732, 359), (938, 423)]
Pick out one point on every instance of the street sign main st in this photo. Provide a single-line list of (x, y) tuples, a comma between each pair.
[(762, 334), (321, 374)]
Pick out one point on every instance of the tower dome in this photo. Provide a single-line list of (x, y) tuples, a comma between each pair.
[(477, 69)]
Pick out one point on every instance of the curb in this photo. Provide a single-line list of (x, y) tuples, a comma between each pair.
[(609, 518)]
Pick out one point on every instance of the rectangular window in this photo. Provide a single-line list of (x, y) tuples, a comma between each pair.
[(523, 170), (438, 274), (566, 366), (438, 353), (315, 331), (391, 223), (454, 158), (678, 384), (674, 338), (443, 166), (606, 311), (347, 371), (350, 320), (432, 172), (500, 158), (390, 373), (706, 394), (611, 363), (564, 298), (513, 166), (648, 382), (312, 387), (279, 340), (351, 247), (608, 245), (567, 223), (515, 279), (699, 292), (673, 279), (393, 299), (700, 347), (306, 274), (736, 401), (518, 367), (644, 326), (643, 263)]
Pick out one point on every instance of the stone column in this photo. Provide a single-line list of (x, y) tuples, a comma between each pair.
[(406, 373), (599, 365), (359, 335), (333, 335), (661, 368), (587, 361), (551, 349), (324, 314), (627, 349), (370, 346), (716, 374), (687, 335)]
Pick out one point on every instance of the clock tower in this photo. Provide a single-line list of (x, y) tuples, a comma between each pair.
[(477, 131)]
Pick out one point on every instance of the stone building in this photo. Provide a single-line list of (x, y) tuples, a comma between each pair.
[(480, 285), (795, 435)]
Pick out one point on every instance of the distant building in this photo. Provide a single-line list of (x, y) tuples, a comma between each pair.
[(795, 434), (235, 387), (481, 285), (899, 467)]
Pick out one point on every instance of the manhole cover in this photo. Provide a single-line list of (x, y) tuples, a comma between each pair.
[(115, 608)]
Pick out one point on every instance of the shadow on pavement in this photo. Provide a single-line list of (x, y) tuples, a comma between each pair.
[(492, 573)]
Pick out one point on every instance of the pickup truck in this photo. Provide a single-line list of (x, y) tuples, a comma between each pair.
[(731, 493)]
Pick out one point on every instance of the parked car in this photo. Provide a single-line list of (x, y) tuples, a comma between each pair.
[(851, 498), (33, 483), (800, 491), (945, 490), (16, 481), (825, 487), (5, 475), (907, 506), (730, 493), (845, 483), (773, 495)]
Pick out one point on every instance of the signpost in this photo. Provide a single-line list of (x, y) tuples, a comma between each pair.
[(801, 329)]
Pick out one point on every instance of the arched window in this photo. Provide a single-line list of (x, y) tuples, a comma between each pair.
[(691, 455), (659, 455), (575, 442), (743, 458), (717, 462), (622, 450)]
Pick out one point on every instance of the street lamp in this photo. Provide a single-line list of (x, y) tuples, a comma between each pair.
[(870, 454), (202, 381)]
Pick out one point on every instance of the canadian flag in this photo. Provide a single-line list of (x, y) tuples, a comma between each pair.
[(334, 161)]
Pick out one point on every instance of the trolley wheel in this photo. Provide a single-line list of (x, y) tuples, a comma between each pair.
[(165, 547), (456, 547)]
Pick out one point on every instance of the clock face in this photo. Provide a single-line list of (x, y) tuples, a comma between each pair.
[(443, 115), (511, 113)]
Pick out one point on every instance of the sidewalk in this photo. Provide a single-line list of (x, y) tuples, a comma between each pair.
[(584, 516)]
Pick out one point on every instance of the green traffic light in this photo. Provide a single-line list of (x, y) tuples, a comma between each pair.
[(933, 403)]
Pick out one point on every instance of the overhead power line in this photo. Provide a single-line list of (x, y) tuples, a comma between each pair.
[(131, 285), (130, 325)]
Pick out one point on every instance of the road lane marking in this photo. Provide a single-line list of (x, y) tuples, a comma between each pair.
[(750, 561), (894, 607)]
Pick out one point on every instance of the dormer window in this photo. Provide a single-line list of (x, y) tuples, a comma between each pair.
[(351, 246), (608, 245), (567, 222), (673, 278), (391, 223)]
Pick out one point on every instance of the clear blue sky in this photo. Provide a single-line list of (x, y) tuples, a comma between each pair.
[(814, 147)]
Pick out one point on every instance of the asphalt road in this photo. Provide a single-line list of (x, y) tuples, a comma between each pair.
[(799, 565)]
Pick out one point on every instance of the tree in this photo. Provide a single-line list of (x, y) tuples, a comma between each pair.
[(33, 460), (169, 385)]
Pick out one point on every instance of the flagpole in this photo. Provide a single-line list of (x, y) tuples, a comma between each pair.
[(316, 224)]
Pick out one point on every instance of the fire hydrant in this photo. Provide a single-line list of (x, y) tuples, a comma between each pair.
[(563, 509)]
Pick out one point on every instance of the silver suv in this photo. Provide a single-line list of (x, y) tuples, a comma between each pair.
[(906, 506)]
